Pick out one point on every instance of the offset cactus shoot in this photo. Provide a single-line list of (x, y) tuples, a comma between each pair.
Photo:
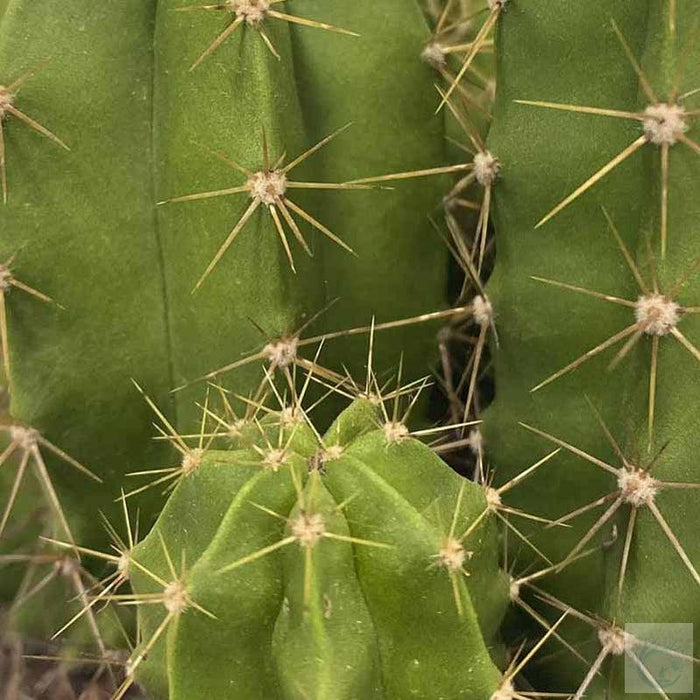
[(350, 350)]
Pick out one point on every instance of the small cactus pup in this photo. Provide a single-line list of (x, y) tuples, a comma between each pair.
[(597, 302), (112, 81), (305, 571)]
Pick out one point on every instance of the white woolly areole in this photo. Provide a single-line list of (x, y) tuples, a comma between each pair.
[(5, 278), (268, 187), (290, 415), (282, 352), (308, 529), (252, 11), (493, 498), (6, 100), (482, 310), (486, 167), (664, 123), (175, 597), (26, 438), (124, 565), (330, 453), (395, 431), (505, 691), (657, 313), (514, 589), (191, 461), (615, 640), (452, 554), (236, 428), (372, 396), (275, 458), (637, 487), (318, 461), (475, 441), (434, 55)]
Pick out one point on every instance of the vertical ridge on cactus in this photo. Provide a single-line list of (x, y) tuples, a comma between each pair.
[(623, 73), (133, 128)]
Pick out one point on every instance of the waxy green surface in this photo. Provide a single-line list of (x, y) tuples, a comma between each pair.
[(113, 83), (568, 53), (356, 637)]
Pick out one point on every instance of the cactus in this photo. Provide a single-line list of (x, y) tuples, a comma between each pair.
[(141, 129), (596, 120), (194, 193), (299, 563)]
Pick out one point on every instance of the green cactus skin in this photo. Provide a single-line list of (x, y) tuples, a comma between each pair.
[(113, 83), (293, 566), (569, 53), (355, 632)]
